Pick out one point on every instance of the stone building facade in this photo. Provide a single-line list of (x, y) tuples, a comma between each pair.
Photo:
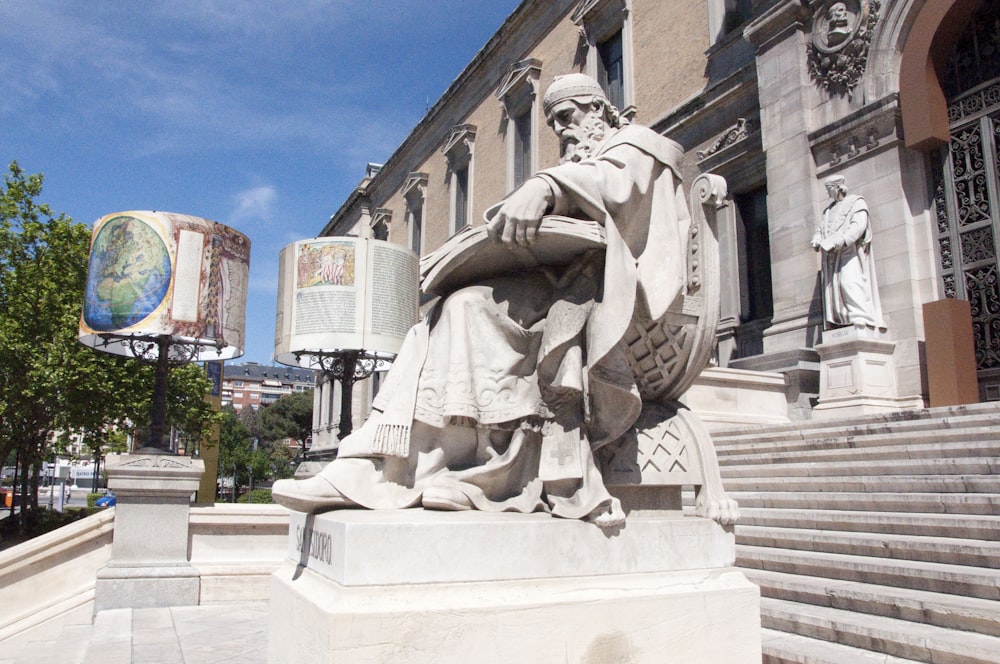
[(901, 97)]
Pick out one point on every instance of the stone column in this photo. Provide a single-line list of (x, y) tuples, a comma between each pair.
[(786, 115), (149, 558)]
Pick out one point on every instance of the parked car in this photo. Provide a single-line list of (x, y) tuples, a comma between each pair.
[(107, 500)]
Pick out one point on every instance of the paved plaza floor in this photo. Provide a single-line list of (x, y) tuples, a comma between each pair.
[(210, 634)]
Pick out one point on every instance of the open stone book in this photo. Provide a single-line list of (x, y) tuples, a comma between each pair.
[(470, 256)]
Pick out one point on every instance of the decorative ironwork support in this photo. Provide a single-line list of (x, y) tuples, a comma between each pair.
[(347, 367)]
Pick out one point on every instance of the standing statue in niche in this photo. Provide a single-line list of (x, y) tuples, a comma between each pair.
[(501, 396), (850, 290)]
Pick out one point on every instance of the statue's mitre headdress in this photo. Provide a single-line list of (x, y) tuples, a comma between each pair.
[(571, 86)]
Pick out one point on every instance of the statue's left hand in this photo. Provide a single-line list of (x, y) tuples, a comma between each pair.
[(520, 214)]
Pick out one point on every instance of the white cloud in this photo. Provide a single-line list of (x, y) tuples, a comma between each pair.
[(253, 205)]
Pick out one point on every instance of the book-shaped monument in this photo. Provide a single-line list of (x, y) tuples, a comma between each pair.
[(339, 293), (471, 256)]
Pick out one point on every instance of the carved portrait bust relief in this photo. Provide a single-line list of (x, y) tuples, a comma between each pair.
[(836, 22)]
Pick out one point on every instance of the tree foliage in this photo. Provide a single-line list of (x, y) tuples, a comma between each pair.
[(291, 416), (49, 382), (245, 457)]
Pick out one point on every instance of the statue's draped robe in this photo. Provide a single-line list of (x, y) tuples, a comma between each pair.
[(506, 386), (850, 290)]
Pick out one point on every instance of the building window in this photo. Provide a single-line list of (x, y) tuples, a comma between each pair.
[(461, 196), (458, 151), (606, 27), (413, 193), (726, 16), (611, 69), (756, 301), (517, 92)]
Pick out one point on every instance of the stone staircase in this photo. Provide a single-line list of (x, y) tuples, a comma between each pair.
[(877, 540)]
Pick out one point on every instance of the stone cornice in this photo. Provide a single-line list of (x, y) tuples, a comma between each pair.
[(776, 23), (876, 127), (517, 36)]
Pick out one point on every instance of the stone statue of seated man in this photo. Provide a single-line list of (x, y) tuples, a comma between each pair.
[(502, 394)]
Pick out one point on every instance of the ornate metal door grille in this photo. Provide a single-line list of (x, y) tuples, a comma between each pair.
[(967, 203)]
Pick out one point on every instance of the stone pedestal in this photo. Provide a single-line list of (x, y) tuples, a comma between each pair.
[(421, 586), (149, 557), (857, 375)]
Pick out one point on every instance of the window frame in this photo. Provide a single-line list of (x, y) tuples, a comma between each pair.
[(599, 21), (458, 151)]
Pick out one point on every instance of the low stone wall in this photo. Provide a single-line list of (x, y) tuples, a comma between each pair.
[(234, 548), (50, 575)]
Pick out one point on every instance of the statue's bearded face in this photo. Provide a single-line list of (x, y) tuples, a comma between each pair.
[(580, 127)]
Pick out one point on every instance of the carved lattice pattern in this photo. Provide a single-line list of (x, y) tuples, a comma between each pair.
[(977, 245), (944, 246), (984, 297), (969, 174), (967, 205), (658, 352)]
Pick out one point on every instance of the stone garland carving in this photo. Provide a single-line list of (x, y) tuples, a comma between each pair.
[(731, 136), (841, 35)]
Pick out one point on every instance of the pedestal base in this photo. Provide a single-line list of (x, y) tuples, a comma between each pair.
[(139, 587), (420, 586), (857, 375), (149, 565)]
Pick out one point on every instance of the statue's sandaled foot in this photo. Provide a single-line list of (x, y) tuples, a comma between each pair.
[(310, 495), (445, 498), (612, 516)]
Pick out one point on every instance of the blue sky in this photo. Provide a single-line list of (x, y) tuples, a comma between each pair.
[(258, 114)]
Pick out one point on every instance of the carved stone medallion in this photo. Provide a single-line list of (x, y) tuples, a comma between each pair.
[(838, 49)]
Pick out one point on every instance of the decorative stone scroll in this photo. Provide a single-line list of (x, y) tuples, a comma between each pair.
[(838, 50), (731, 136)]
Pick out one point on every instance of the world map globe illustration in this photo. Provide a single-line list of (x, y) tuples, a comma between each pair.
[(128, 276)]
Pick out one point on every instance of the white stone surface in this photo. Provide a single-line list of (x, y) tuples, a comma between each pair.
[(149, 560), (416, 586), (419, 546), (736, 397), (857, 375)]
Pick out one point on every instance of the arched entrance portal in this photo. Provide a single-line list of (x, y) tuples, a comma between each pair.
[(967, 185)]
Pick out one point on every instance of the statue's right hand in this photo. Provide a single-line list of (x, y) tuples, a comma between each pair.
[(520, 214)]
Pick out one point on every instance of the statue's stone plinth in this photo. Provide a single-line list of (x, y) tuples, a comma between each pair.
[(858, 375), (149, 560), (422, 586)]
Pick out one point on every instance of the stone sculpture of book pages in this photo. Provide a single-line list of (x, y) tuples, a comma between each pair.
[(470, 256)]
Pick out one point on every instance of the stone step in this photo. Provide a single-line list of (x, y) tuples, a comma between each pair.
[(934, 503), (894, 448), (951, 611), (934, 577), (961, 526), (899, 638), (928, 419), (869, 483), (784, 648), (806, 432), (954, 551), (964, 466)]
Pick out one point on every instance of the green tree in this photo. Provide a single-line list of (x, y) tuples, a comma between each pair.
[(291, 416), (49, 382), (241, 456)]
